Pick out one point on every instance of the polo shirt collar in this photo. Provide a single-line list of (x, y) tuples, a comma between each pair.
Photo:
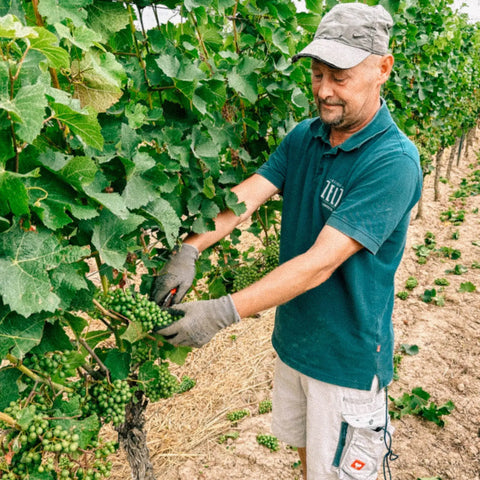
[(379, 123)]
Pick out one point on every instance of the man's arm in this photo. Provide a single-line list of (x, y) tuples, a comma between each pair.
[(254, 191), (203, 319), (299, 274)]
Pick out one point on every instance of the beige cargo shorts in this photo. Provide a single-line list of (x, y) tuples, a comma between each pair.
[(345, 431)]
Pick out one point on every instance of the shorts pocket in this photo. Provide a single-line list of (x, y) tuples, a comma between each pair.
[(360, 453)]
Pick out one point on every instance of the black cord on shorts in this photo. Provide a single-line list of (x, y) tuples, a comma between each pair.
[(387, 438)]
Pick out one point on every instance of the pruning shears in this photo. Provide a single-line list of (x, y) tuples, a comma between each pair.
[(169, 298)]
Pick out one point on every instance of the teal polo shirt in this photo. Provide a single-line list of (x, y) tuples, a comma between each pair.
[(341, 331)]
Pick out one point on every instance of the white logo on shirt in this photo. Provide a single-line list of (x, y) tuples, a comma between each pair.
[(332, 194)]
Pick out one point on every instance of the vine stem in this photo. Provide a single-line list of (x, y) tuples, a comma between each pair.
[(95, 356), (202, 43), (138, 54), (103, 278), (40, 23), (106, 312), (16, 362), (237, 49), (20, 64), (235, 31)]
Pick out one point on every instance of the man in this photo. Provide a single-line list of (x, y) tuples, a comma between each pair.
[(349, 180)]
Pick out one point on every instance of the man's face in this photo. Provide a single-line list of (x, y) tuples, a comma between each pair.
[(347, 99)]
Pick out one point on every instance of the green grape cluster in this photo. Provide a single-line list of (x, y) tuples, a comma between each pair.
[(141, 352), (108, 400), (245, 276), (266, 261), (268, 441), (43, 445), (164, 386), (186, 384), (271, 256), (49, 364), (137, 307)]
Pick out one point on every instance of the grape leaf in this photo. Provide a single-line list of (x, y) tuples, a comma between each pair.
[(54, 338), (79, 171), (67, 281), (245, 85), (110, 237), (85, 125), (13, 194), (116, 361), (97, 336), (57, 11), (46, 43), (25, 258), (52, 198), (9, 391), (99, 78), (18, 335), (11, 27), (164, 214), (107, 18), (178, 354), (113, 201), (133, 333), (28, 109), (139, 191), (82, 36)]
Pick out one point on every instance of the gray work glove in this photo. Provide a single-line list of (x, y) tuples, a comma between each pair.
[(178, 273), (201, 321)]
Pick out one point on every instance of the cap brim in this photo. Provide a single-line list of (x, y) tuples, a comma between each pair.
[(333, 53)]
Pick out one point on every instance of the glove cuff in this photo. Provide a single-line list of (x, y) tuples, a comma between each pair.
[(190, 251), (233, 309)]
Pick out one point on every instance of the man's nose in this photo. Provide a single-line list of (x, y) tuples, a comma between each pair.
[(324, 89)]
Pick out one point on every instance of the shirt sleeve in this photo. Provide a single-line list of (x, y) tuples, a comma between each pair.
[(378, 200), (275, 168)]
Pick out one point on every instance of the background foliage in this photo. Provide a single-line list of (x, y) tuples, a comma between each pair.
[(115, 141)]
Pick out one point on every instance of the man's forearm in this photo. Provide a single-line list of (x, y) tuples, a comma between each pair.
[(286, 282), (225, 223), (298, 275)]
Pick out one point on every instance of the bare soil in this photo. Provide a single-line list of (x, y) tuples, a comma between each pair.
[(234, 372)]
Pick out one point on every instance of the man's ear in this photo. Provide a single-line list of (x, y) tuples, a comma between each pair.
[(385, 67)]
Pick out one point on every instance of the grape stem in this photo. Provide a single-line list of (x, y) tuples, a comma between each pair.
[(95, 356), (34, 376), (108, 313)]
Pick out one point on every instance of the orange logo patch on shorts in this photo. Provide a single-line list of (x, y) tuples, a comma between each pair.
[(357, 465)]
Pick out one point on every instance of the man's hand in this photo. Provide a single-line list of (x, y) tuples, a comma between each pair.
[(178, 273), (201, 321)]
